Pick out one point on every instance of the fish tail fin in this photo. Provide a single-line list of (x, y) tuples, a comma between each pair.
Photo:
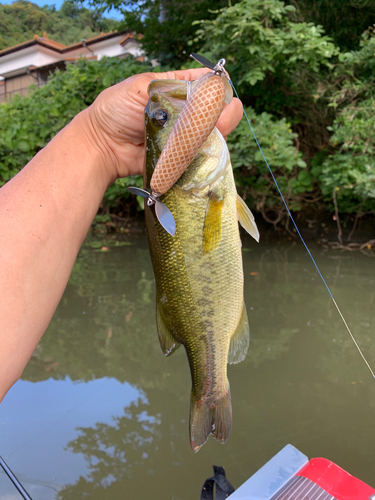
[(208, 417), (221, 421)]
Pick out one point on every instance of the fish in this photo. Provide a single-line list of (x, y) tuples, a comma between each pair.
[(198, 271)]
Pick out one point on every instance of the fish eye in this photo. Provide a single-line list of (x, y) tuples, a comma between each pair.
[(159, 117)]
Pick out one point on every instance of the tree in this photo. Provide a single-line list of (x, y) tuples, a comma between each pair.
[(343, 21), (166, 25), (21, 20)]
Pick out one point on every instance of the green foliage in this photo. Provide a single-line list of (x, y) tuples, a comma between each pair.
[(166, 25), (348, 173), (278, 65), (342, 20), (253, 177), (116, 193), (21, 20), (27, 124), (258, 37)]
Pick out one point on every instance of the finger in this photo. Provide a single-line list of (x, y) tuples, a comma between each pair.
[(230, 117)]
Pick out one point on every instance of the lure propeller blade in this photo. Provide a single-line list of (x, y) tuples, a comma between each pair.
[(165, 217), (203, 61), (139, 192), (163, 213)]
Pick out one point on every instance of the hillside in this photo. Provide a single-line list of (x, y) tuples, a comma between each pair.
[(20, 20)]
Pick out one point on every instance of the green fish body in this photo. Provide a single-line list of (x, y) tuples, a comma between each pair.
[(198, 272)]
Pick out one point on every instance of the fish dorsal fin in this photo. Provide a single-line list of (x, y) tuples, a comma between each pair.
[(246, 218), (212, 224), (168, 343), (239, 343)]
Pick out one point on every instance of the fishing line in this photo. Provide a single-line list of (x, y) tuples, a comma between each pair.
[(303, 241)]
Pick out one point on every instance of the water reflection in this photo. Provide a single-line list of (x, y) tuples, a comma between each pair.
[(38, 419), (100, 413), (114, 451)]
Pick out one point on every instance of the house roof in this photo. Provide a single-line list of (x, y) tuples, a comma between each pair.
[(44, 41), (130, 36)]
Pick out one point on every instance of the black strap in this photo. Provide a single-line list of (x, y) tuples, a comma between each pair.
[(223, 486)]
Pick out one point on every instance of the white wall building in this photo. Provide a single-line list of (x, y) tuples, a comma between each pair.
[(33, 61)]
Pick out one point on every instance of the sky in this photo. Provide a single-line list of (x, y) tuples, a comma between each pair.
[(112, 13)]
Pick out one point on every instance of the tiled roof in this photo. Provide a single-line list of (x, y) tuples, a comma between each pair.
[(130, 36), (59, 47), (46, 41)]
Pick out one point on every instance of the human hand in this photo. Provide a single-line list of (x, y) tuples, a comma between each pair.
[(116, 119)]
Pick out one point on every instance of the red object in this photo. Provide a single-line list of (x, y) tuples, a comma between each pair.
[(336, 481)]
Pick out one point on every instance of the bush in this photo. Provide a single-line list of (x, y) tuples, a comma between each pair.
[(348, 172), (27, 124), (252, 175)]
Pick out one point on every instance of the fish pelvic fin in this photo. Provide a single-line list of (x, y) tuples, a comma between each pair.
[(168, 343), (210, 417), (246, 218), (240, 340)]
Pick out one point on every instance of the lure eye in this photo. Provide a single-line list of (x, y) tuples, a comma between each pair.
[(160, 117)]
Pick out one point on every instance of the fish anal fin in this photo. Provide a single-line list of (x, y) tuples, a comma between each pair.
[(168, 343), (212, 224), (210, 417), (239, 343), (246, 218)]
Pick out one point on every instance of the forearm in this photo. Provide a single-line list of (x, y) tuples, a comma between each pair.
[(45, 213)]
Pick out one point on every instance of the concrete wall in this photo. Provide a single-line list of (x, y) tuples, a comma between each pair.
[(30, 56), (108, 48)]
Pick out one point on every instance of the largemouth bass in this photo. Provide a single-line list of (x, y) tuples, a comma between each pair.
[(198, 272)]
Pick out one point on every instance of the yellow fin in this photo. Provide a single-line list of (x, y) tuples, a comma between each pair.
[(246, 218), (168, 343), (239, 343), (212, 225)]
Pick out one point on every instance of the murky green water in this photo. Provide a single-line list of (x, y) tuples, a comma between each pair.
[(101, 414)]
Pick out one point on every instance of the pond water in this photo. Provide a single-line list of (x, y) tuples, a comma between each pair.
[(100, 413)]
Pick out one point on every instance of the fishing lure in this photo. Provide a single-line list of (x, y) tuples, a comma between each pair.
[(195, 123)]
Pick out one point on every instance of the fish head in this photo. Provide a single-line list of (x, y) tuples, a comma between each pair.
[(167, 98), (166, 101)]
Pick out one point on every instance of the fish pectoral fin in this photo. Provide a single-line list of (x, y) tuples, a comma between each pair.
[(210, 417), (212, 224), (168, 343), (246, 218), (239, 343)]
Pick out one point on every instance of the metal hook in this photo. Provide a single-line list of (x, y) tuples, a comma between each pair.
[(219, 68)]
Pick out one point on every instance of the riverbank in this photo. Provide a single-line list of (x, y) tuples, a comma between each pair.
[(320, 227)]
